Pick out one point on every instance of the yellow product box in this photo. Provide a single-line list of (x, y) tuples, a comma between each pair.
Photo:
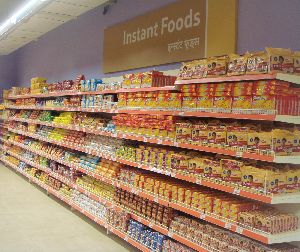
[(216, 66), (183, 132), (260, 140), (263, 102), (212, 168), (205, 102), (186, 71), (253, 177), (199, 133), (296, 143), (199, 69), (195, 165), (237, 135), (293, 180), (237, 64), (258, 63), (217, 134), (276, 182), (189, 101), (231, 170), (222, 102), (282, 142), (242, 102), (296, 56), (281, 60)]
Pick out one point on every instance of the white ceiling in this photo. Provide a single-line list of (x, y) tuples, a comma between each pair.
[(56, 13)]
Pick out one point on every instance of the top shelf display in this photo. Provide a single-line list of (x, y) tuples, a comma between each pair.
[(295, 79)]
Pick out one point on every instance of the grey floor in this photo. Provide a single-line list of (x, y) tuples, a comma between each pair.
[(30, 221)]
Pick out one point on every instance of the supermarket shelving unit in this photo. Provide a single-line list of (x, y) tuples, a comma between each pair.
[(219, 185)]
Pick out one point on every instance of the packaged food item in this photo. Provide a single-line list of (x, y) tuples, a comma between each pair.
[(186, 71), (237, 64), (199, 69), (241, 102), (296, 56), (237, 135), (231, 170), (212, 168), (281, 60), (260, 140), (217, 66), (253, 177), (263, 103), (282, 141), (257, 63)]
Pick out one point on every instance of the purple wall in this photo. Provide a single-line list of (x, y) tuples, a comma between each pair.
[(77, 46), (8, 73)]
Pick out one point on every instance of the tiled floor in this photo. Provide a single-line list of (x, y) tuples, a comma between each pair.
[(30, 221)]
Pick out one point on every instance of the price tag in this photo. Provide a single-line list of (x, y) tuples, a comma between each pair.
[(181, 113), (239, 230), (159, 141), (139, 219), (126, 238), (156, 199), (202, 216), (239, 154), (145, 139), (173, 174), (170, 234), (151, 224), (236, 191), (168, 173), (114, 135), (199, 181), (113, 158), (175, 144), (133, 190), (227, 225)]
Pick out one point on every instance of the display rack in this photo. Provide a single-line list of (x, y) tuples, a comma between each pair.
[(219, 185), (291, 198), (227, 224)]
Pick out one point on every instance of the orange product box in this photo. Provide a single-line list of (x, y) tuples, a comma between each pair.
[(260, 140), (242, 88)]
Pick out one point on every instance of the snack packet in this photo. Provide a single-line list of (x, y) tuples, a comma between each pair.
[(281, 60), (237, 64), (257, 63)]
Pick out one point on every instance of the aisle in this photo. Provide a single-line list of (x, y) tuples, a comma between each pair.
[(30, 221)]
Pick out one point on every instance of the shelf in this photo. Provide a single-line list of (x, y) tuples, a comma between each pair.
[(201, 114), (147, 89), (74, 93), (218, 185), (117, 232), (217, 150), (143, 220), (227, 224), (247, 77), (62, 93)]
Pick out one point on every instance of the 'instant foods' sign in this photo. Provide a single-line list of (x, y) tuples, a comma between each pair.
[(185, 30)]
